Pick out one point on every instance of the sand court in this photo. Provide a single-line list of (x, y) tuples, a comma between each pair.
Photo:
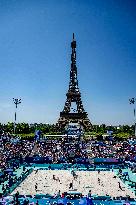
[(42, 182)]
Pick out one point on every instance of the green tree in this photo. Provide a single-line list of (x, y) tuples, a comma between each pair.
[(9, 127)]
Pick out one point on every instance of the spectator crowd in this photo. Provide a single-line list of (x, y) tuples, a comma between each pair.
[(15, 151)]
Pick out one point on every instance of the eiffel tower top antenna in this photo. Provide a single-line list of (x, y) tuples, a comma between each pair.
[(73, 36)]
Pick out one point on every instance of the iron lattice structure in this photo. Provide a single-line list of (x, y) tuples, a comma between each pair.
[(73, 95)]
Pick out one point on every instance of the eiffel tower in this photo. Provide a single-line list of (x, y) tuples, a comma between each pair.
[(73, 95)]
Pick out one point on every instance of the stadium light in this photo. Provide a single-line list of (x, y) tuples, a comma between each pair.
[(16, 102)]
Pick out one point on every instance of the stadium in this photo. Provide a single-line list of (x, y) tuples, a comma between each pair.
[(64, 171)]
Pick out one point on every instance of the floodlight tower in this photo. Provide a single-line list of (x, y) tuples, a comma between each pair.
[(16, 101), (132, 101)]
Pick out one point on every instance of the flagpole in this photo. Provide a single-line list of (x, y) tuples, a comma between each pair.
[(135, 122)]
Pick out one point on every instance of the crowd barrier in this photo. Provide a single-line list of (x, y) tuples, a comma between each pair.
[(72, 200)]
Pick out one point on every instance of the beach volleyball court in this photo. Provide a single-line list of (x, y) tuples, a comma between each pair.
[(103, 183)]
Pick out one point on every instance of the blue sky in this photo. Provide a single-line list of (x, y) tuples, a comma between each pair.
[(35, 37)]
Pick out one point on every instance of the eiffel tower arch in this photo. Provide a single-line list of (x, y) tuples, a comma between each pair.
[(73, 96)]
